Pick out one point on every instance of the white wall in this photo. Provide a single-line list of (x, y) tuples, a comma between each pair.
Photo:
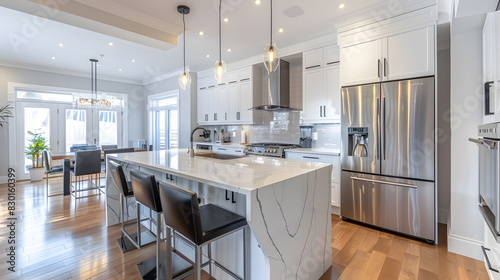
[(16, 75), (465, 230), (187, 105)]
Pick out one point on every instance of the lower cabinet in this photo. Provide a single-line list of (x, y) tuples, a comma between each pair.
[(228, 150), (322, 158), (491, 254)]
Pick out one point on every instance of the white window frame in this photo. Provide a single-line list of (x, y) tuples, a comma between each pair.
[(152, 109)]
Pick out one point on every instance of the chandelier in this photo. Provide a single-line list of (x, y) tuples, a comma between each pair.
[(92, 100)]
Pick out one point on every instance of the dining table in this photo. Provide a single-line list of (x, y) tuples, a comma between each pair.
[(67, 157)]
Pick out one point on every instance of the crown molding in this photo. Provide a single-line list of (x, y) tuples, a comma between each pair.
[(164, 76), (67, 72)]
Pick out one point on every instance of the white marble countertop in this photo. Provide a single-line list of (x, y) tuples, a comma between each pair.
[(245, 174), (318, 151)]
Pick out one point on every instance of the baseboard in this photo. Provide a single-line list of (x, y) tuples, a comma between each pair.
[(335, 210), (442, 216), (3, 179), (465, 246)]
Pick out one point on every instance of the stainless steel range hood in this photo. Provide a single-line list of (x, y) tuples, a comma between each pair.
[(277, 95)]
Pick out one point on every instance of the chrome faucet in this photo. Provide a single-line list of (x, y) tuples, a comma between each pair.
[(192, 133)]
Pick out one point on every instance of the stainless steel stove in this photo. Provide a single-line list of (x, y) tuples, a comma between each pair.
[(269, 149)]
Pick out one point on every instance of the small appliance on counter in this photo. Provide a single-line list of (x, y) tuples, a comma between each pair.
[(306, 136), (206, 136)]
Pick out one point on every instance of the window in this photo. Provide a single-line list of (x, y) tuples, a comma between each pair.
[(164, 120)]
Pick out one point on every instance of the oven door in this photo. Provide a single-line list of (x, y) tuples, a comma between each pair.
[(489, 181)]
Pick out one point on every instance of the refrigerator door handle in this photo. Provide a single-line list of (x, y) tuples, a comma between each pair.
[(383, 115), (378, 128), (385, 182)]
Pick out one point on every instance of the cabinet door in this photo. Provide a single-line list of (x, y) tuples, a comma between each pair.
[(223, 96), (332, 108), (245, 74), (234, 104), (202, 106), (213, 104), (410, 55), (246, 102), (331, 55), (232, 77), (361, 64), (313, 95), (313, 59)]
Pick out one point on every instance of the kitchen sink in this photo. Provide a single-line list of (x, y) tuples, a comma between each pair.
[(219, 156)]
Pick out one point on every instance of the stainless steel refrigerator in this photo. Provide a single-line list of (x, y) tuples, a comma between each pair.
[(388, 156)]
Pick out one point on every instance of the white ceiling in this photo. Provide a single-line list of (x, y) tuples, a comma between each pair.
[(246, 34)]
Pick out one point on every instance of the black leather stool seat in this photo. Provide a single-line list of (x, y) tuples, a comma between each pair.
[(216, 221), (55, 169)]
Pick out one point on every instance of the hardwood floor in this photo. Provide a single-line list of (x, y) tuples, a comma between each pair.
[(62, 238)]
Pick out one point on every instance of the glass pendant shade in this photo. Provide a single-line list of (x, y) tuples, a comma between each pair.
[(219, 70), (184, 80), (271, 57)]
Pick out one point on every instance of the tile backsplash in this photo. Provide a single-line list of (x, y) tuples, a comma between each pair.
[(328, 136)]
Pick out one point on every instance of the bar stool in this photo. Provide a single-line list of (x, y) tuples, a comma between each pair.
[(202, 225), (133, 240), (145, 191), (49, 169)]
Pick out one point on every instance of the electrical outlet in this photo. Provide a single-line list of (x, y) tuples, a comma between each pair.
[(315, 136)]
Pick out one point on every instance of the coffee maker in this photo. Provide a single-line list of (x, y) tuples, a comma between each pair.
[(306, 136)]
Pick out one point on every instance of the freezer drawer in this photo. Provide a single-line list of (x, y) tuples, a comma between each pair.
[(405, 206)]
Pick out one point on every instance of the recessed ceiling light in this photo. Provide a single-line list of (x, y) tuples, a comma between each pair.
[(258, 2), (280, 30), (208, 55), (342, 5), (133, 60), (110, 43), (226, 19), (120, 69), (61, 45), (53, 58), (201, 33), (229, 50)]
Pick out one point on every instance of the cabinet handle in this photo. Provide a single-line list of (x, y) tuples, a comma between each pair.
[(385, 67), (238, 151), (206, 117), (222, 84), (310, 157), (215, 116), (333, 62), (227, 196), (211, 86), (314, 66), (238, 115), (202, 88), (488, 259), (221, 149), (324, 111), (487, 99), (232, 82), (246, 79), (320, 111), (233, 199), (378, 66), (225, 116)]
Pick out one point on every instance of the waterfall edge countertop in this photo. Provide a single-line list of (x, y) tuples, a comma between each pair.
[(245, 173)]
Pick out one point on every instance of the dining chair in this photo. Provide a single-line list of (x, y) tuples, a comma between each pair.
[(87, 163), (49, 169)]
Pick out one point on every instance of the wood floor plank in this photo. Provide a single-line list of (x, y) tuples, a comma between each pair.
[(60, 238)]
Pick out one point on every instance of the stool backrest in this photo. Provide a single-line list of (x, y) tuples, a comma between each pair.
[(87, 162), (118, 177), (145, 190), (118, 151), (107, 147), (46, 160), (181, 211)]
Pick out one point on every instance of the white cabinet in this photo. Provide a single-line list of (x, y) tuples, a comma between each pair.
[(491, 68), (322, 158), (401, 56), (491, 253), (228, 150), (229, 102), (313, 59), (361, 64), (321, 88)]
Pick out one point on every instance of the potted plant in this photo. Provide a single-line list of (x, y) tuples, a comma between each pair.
[(37, 143), (5, 112)]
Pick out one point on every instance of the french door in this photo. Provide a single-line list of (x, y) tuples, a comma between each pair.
[(63, 126), (165, 129)]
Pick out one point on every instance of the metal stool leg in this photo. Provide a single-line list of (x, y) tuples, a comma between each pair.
[(197, 263)]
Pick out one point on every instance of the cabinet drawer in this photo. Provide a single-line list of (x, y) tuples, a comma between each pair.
[(228, 150)]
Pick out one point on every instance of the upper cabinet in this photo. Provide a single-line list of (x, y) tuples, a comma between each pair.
[(230, 101), (491, 68), (321, 85), (405, 55)]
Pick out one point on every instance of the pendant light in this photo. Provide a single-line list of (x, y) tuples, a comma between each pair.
[(271, 55), (184, 78), (220, 65)]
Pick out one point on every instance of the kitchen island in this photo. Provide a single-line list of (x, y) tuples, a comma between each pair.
[(286, 204)]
